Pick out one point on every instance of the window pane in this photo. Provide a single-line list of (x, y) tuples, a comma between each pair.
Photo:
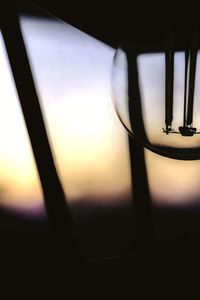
[(20, 190), (72, 73)]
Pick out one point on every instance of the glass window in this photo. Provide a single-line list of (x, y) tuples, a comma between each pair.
[(72, 74), (20, 190)]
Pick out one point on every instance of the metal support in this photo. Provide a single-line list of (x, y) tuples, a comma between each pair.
[(191, 84), (169, 87)]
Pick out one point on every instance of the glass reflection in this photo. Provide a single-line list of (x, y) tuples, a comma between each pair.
[(172, 183), (151, 69), (155, 96)]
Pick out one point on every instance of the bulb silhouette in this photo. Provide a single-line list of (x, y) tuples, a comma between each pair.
[(157, 98)]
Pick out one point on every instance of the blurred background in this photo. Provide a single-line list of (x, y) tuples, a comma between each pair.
[(71, 62)]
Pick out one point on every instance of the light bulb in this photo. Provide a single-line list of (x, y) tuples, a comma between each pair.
[(156, 95)]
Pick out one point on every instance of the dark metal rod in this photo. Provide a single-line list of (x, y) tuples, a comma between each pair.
[(169, 86), (192, 72), (56, 207), (185, 90), (141, 194)]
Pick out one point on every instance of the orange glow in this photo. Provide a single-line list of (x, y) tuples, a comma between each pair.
[(90, 148)]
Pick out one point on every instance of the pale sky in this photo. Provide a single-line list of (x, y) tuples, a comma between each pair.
[(19, 187), (73, 75)]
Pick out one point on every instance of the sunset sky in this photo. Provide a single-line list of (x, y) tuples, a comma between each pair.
[(72, 73), (19, 187)]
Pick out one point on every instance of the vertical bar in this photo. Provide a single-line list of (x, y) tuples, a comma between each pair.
[(141, 194), (192, 72), (185, 90), (169, 86)]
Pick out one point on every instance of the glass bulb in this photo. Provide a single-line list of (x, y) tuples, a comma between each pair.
[(156, 96)]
